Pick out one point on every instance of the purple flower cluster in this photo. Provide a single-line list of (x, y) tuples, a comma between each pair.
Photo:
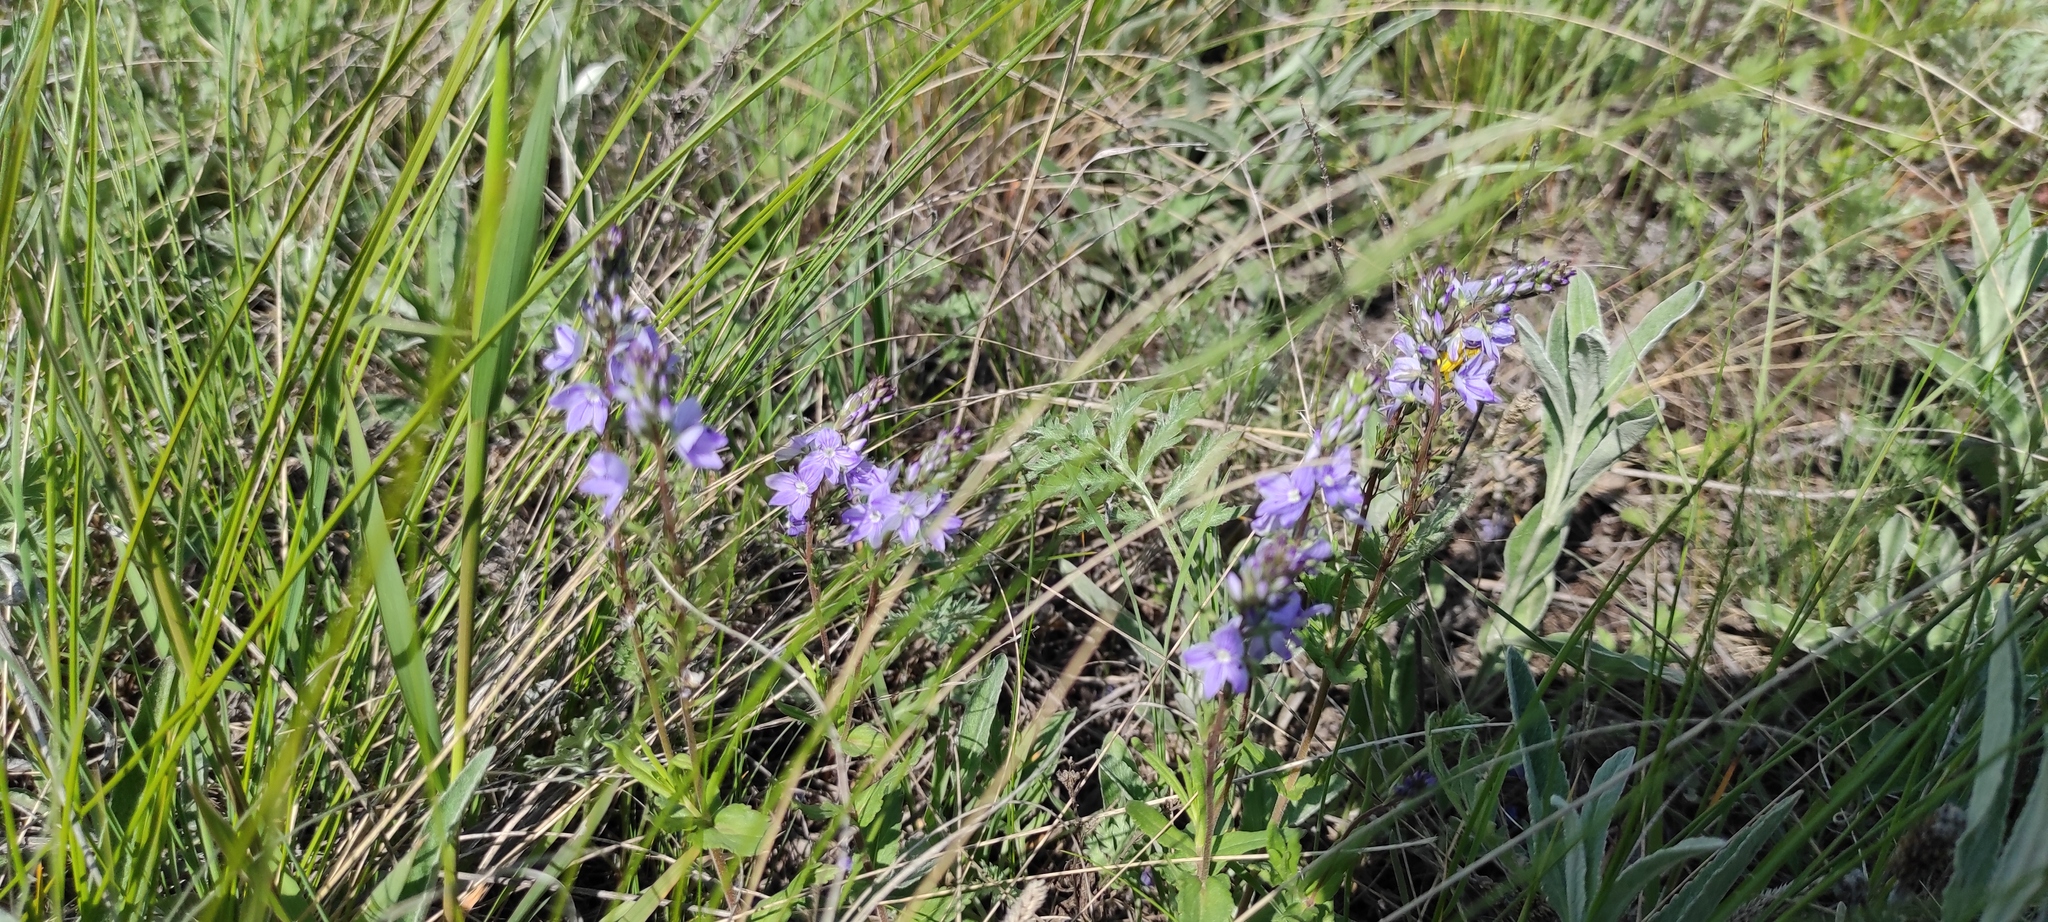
[(635, 372), (1456, 332), (1284, 498), (1270, 613), (879, 507)]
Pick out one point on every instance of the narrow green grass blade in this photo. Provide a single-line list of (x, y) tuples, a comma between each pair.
[(395, 609), (518, 228)]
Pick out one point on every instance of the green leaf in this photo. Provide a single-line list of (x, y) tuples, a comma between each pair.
[(1540, 762), (1991, 791), (396, 614), (1702, 895), (1586, 375), (1807, 633), (518, 226), (1632, 880), (1540, 359), (1582, 306), (1600, 812), (1617, 436), (446, 816), (1628, 356), (738, 829), (1215, 903), (977, 725), (2022, 871), (641, 907), (863, 740)]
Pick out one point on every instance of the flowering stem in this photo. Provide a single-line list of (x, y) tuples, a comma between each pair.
[(1397, 539), (1211, 794), (639, 652)]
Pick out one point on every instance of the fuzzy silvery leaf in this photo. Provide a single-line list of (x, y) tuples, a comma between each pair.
[(1630, 883), (1587, 374), (1697, 900), (1624, 431), (1991, 792), (1606, 792), (1567, 881), (1538, 355), (1629, 354), (1582, 306), (2022, 869), (1541, 766), (2010, 263)]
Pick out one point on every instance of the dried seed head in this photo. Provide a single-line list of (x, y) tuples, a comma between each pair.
[(1922, 860), (1852, 890)]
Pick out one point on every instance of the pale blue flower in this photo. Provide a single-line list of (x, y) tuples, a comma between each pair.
[(583, 407), (1283, 499), (568, 349), (793, 495), (606, 477), (697, 444), (1220, 661)]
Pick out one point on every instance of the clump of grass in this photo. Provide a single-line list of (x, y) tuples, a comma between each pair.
[(305, 615)]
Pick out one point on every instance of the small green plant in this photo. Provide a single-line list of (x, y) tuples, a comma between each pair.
[(2011, 263), (1998, 876), (1582, 376), (1567, 845)]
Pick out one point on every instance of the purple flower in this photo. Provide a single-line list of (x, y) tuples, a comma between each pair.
[(826, 456), (1492, 528), (1409, 372), (696, 443), (1220, 661), (1283, 499), (1343, 491), (1500, 334), (583, 405), (1416, 782), (793, 495), (1472, 379), (1263, 638), (876, 515), (859, 405), (919, 509), (867, 477), (568, 349), (641, 377), (937, 453), (606, 477), (1292, 614), (1264, 578)]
